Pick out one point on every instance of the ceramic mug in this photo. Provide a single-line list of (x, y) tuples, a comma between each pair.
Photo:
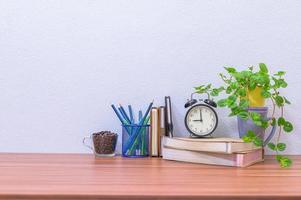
[(246, 125)]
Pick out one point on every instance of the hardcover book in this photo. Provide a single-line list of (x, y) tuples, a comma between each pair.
[(243, 159), (154, 131), (216, 145)]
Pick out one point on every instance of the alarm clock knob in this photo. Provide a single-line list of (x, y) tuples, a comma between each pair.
[(190, 103), (210, 102)]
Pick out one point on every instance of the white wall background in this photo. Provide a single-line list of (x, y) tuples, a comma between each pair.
[(62, 63)]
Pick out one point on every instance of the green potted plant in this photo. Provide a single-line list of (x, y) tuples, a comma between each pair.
[(246, 92)]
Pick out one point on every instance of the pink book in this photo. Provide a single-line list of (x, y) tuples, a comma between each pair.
[(242, 159)]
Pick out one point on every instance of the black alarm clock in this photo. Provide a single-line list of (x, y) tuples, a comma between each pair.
[(201, 119)]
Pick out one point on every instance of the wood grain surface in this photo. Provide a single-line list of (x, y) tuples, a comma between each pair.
[(81, 176)]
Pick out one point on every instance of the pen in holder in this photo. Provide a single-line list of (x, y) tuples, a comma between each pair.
[(135, 134), (135, 140)]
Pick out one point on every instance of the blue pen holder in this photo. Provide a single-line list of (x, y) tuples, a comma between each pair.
[(135, 141)]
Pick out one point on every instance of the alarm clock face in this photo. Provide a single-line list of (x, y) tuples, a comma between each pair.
[(201, 120)]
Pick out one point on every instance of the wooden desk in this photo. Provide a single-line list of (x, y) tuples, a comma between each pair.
[(79, 176)]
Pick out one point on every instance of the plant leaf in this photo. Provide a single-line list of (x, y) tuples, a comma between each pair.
[(279, 101), (281, 146), (228, 90), (242, 92), (272, 146), (263, 68), (273, 122), (202, 89), (288, 127), (230, 70), (255, 116), (286, 101), (257, 141), (252, 86), (285, 162), (243, 114), (265, 124), (266, 94), (222, 103), (278, 157), (281, 121), (244, 103), (282, 83), (234, 85), (251, 134), (247, 139), (280, 73), (258, 123), (214, 92)]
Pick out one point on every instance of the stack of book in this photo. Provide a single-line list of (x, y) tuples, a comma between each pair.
[(215, 151), (160, 125)]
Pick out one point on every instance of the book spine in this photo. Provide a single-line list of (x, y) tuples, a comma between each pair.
[(175, 143), (239, 160), (154, 132), (161, 128), (150, 141)]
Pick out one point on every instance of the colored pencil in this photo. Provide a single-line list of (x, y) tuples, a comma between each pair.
[(131, 114), (140, 115), (117, 113), (126, 117)]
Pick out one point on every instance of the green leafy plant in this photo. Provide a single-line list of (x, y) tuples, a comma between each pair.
[(236, 86)]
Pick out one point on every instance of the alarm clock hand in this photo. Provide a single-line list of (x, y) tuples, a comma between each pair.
[(201, 116)]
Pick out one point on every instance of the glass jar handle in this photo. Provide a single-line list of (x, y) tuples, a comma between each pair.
[(86, 145)]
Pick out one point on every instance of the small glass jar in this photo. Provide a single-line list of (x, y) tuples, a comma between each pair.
[(103, 143)]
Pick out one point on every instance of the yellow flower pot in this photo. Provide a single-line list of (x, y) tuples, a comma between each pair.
[(255, 98)]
